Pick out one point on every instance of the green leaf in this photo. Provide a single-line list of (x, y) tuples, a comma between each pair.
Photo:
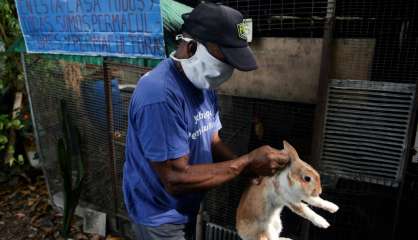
[(16, 123), (11, 160), (20, 159), (3, 139), (10, 150)]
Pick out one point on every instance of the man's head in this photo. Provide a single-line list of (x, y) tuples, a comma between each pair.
[(213, 43), (221, 29)]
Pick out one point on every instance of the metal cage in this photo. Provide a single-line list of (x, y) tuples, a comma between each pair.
[(86, 88), (367, 40), (366, 130)]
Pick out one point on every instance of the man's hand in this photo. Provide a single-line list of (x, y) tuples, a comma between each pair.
[(266, 161)]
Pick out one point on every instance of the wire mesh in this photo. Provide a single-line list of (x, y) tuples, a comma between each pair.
[(409, 208), (297, 18), (380, 39), (51, 81), (82, 87), (277, 18), (127, 76), (248, 123), (371, 40), (393, 27), (361, 214), (387, 28)]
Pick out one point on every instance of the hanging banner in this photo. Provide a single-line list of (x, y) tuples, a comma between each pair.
[(123, 28)]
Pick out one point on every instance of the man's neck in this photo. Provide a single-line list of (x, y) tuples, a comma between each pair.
[(178, 66)]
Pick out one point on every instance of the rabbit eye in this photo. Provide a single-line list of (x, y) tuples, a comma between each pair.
[(307, 178)]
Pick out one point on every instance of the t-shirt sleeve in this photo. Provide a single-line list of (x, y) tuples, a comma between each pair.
[(162, 132), (218, 124)]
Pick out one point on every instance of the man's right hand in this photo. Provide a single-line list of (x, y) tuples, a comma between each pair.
[(266, 161)]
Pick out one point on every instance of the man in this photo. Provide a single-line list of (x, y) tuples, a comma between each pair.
[(174, 152)]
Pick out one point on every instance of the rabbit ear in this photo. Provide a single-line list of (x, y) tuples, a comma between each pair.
[(291, 150)]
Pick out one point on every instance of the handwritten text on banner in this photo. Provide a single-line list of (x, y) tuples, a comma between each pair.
[(126, 28)]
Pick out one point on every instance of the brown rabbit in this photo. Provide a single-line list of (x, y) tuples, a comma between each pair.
[(258, 213)]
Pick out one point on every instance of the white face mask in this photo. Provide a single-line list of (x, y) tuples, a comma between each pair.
[(204, 70)]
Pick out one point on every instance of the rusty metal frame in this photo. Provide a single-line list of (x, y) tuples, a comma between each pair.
[(320, 108)]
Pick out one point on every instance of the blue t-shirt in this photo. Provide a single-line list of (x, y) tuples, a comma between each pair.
[(168, 118)]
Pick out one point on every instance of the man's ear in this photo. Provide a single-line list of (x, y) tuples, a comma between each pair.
[(191, 48)]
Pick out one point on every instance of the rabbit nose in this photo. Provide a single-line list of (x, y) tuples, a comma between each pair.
[(319, 189)]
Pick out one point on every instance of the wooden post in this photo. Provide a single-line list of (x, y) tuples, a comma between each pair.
[(318, 125), (323, 84), (110, 130)]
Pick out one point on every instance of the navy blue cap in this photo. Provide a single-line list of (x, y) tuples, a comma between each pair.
[(224, 26)]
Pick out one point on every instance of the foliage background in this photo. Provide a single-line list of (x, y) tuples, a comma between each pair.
[(11, 81)]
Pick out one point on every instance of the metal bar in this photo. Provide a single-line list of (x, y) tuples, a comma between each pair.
[(348, 168), (35, 127), (371, 117), (347, 171), (370, 144), (329, 161), (364, 97), (408, 155), (373, 86), (362, 178), (352, 134), (110, 127), (338, 106), (367, 93), (322, 95), (199, 224), (362, 150), (385, 88), (344, 138), (362, 154), (353, 126), (370, 123), (216, 232), (368, 113), (363, 103), (368, 161)]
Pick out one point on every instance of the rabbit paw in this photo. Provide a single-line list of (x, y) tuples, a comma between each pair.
[(321, 222), (331, 207)]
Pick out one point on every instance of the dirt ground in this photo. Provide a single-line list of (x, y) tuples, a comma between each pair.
[(25, 212)]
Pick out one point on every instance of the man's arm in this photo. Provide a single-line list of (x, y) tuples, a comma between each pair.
[(220, 151), (179, 177)]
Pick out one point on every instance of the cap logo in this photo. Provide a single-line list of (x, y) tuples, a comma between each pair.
[(242, 30)]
